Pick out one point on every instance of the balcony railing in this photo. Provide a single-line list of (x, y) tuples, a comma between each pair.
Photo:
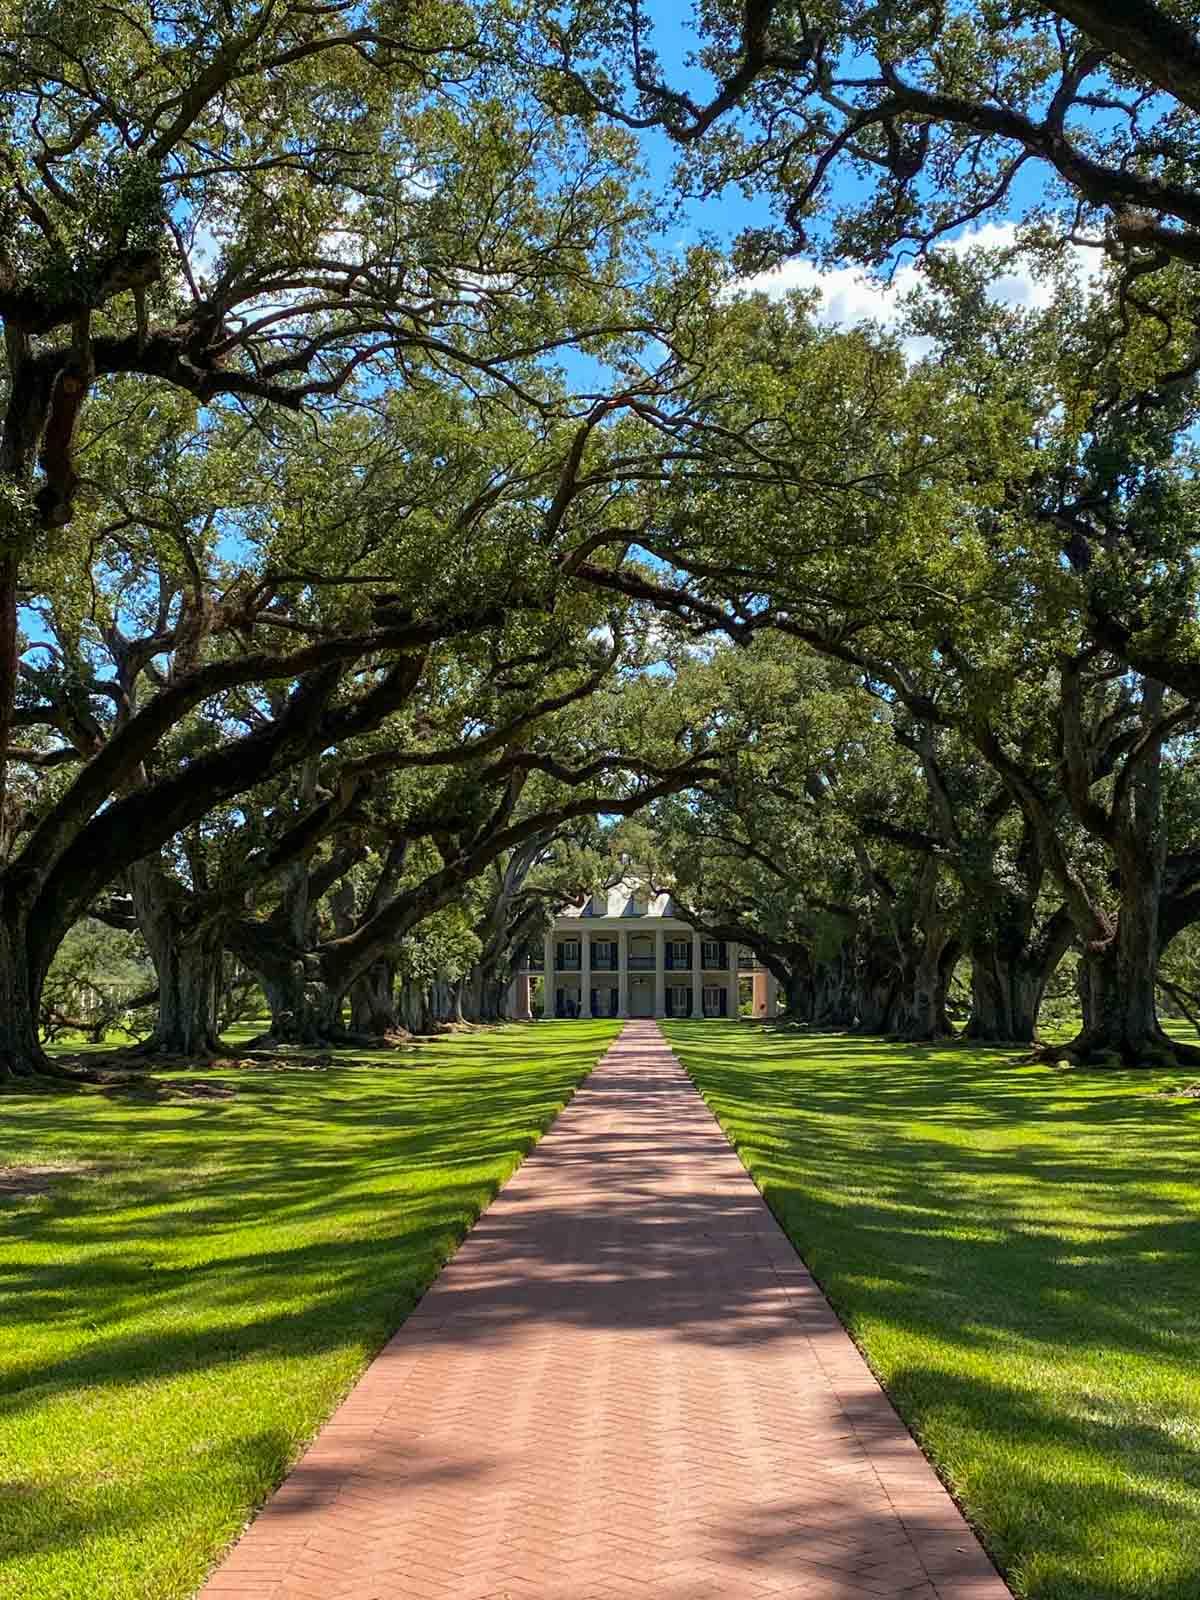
[(605, 964), (642, 963), (567, 964), (675, 964)]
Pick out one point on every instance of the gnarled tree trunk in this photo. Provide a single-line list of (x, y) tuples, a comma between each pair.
[(188, 962), (301, 1007), (924, 1016), (1006, 996), (833, 994), (483, 994), (1117, 981), (410, 1005), (1118, 968), (373, 1001), (189, 995), (876, 990), (1009, 977)]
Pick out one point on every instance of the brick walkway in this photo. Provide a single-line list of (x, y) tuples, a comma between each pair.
[(624, 1384)]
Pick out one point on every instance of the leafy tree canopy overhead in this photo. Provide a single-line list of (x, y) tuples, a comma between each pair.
[(898, 122)]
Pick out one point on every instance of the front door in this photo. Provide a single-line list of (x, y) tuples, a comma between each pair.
[(641, 997)]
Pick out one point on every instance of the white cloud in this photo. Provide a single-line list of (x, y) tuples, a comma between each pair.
[(848, 296)]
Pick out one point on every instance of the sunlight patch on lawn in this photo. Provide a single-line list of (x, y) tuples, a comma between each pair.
[(179, 1315), (1017, 1251)]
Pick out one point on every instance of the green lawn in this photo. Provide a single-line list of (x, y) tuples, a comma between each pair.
[(206, 1279), (1017, 1250)]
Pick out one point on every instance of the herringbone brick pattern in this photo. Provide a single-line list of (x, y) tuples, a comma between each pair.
[(624, 1384)]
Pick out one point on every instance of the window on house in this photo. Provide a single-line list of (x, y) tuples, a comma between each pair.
[(679, 952), (712, 1001), (679, 1001), (712, 953)]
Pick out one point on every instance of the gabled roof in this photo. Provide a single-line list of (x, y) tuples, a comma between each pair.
[(625, 899)]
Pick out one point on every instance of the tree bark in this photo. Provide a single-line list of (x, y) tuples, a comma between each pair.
[(188, 962), (833, 994), (1006, 996), (1117, 982), (410, 1004), (1010, 973), (302, 1008), (876, 991), (1118, 970), (483, 994), (21, 1054), (373, 1001), (923, 1006), (189, 993)]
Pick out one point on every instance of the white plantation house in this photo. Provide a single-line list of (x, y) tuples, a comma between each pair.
[(626, 953)]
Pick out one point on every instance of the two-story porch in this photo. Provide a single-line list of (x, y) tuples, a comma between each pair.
[(593, 963)]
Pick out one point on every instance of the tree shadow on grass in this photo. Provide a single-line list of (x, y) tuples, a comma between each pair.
[(299, 1222), (1019, 1251)]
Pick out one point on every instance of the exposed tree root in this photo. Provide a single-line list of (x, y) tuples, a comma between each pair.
[(1156, 1052)]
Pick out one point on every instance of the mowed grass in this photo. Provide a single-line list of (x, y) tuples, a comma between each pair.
[(207, 1278), (1017, 1251)]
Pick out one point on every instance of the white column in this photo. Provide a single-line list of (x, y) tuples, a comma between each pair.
[(523, 1011), (622, 973), (548, 978), (660, 974), (585, 974), (697, 975), (732, 980)]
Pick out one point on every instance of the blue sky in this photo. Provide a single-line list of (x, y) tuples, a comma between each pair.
[(848, 294)]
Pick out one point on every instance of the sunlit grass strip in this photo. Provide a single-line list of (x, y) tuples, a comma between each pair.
[(1017, 1250), (177, 1321)]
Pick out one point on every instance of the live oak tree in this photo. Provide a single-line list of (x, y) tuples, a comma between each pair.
[(264, 207), (934, 112), (512, 904), (265, 212), (119, 634), (877, 132), (907, 519), (611, 754), (805, 852)]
